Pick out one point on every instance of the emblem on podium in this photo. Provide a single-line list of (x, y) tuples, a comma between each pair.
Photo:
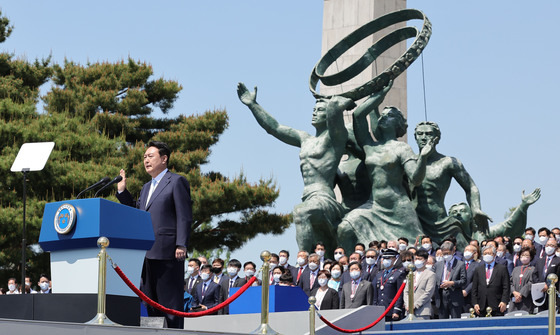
[(64, 219)]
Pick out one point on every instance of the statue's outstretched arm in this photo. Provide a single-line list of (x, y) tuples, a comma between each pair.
[(371, 105), (517, 222), (471, 190), (285, 134), (335, 117)]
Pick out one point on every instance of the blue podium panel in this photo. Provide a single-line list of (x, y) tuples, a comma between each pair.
[(281, 299), (125, 226)]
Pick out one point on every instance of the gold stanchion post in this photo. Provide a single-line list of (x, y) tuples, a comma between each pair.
[(488, 312), (471, 310), (410, 282), (101, 318), (551, 280), (312, 300), (264, 328)]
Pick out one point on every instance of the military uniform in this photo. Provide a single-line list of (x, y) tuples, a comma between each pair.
[(385, 288)]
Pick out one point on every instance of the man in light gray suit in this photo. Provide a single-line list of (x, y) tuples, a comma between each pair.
[(356, 292), (424, 287), (451, 278)]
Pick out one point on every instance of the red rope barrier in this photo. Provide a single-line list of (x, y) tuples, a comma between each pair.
[(180, 313), (400, 291)]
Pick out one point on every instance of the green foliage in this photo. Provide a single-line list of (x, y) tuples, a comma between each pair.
[(99, 116)]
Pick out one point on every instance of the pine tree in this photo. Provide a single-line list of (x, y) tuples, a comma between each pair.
[(100, 118)]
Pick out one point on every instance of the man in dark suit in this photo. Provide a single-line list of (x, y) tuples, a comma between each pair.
[(357, 291), (232, 280), (472, 261), (284, 256), (490, 285), (207, 293), (193, 269), (167, 198), (308, 279), (451, 278), (545, 266), (387, 283), (370, 265)]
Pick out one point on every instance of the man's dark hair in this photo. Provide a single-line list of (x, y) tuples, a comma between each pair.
[(275, 256), (423, 254), (219, 260), (357, 263), (404, 239), (44, 275), (250, 263), (361, 245), (319, 244), (544, 229), (162, 148), (235, 263), (531, 229), (206, 266), (286, 252), (196, 260)]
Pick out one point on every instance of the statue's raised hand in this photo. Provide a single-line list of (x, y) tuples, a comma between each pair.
[(245, 96), (378, 96), (531, 198), (428, 149)]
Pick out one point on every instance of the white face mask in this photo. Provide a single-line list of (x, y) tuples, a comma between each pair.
[(543, 239), (427, 246), (345, 267), (323, 282), (321, 253), (529, 237), (272, 265), (190, 270), (402, 247), (499, 254), (488, 258), (249, 273), (387, 263), (231, 271), (525, 260), (283, 260), (406, 264), (516, 248), (355, 274), (447, 258), (370, 261), (557, 237), (549, 250), (301, 261), (205, 276), (44, 286), (12, 287), (276, 277), (337, 257), (429, 266), (419, 264), (467, 255), (313, 266), (336, 274), (359, 252)]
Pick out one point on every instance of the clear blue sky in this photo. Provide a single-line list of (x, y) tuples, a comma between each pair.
[(490, 68)]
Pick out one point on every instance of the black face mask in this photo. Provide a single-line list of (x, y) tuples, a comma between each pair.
[(216, 270)]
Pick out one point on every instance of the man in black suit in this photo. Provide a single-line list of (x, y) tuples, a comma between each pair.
[(451, 278), (207, 293), (308, 279), (232, 280), (167, 198), (545, 266), (283, 257), (472, 261), (370, 265), (193, 268), (490, 285)]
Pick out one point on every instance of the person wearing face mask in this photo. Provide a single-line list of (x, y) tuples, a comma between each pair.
[(320, 250), (13, 287), (491, 285), (284, 256), (28, 288), (249, 269), (338, 253), (501, 257), (403, 244), (327, 298), (470, 256), (44, 284), (354, 257), (439, 255), (272, 263), (521, 281), (302, 257), (357, 292), (360, 249), (335, 282), (451, 278), (545, 266), (517, 241), (387, 283), (431, 263), (407, 258), (530, 233), (424, 287), (308, 279), (556, 232), (426, 244), (542, 237), (370, 265), (232, 280), (207, 293), (277, 272), (191, 275)]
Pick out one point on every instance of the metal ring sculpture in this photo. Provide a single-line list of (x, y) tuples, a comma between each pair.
[(383, 44)]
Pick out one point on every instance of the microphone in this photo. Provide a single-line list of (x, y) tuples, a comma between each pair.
[(114, 181), (102, 182)]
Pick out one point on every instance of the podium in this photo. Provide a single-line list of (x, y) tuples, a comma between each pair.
[(70, 230)]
